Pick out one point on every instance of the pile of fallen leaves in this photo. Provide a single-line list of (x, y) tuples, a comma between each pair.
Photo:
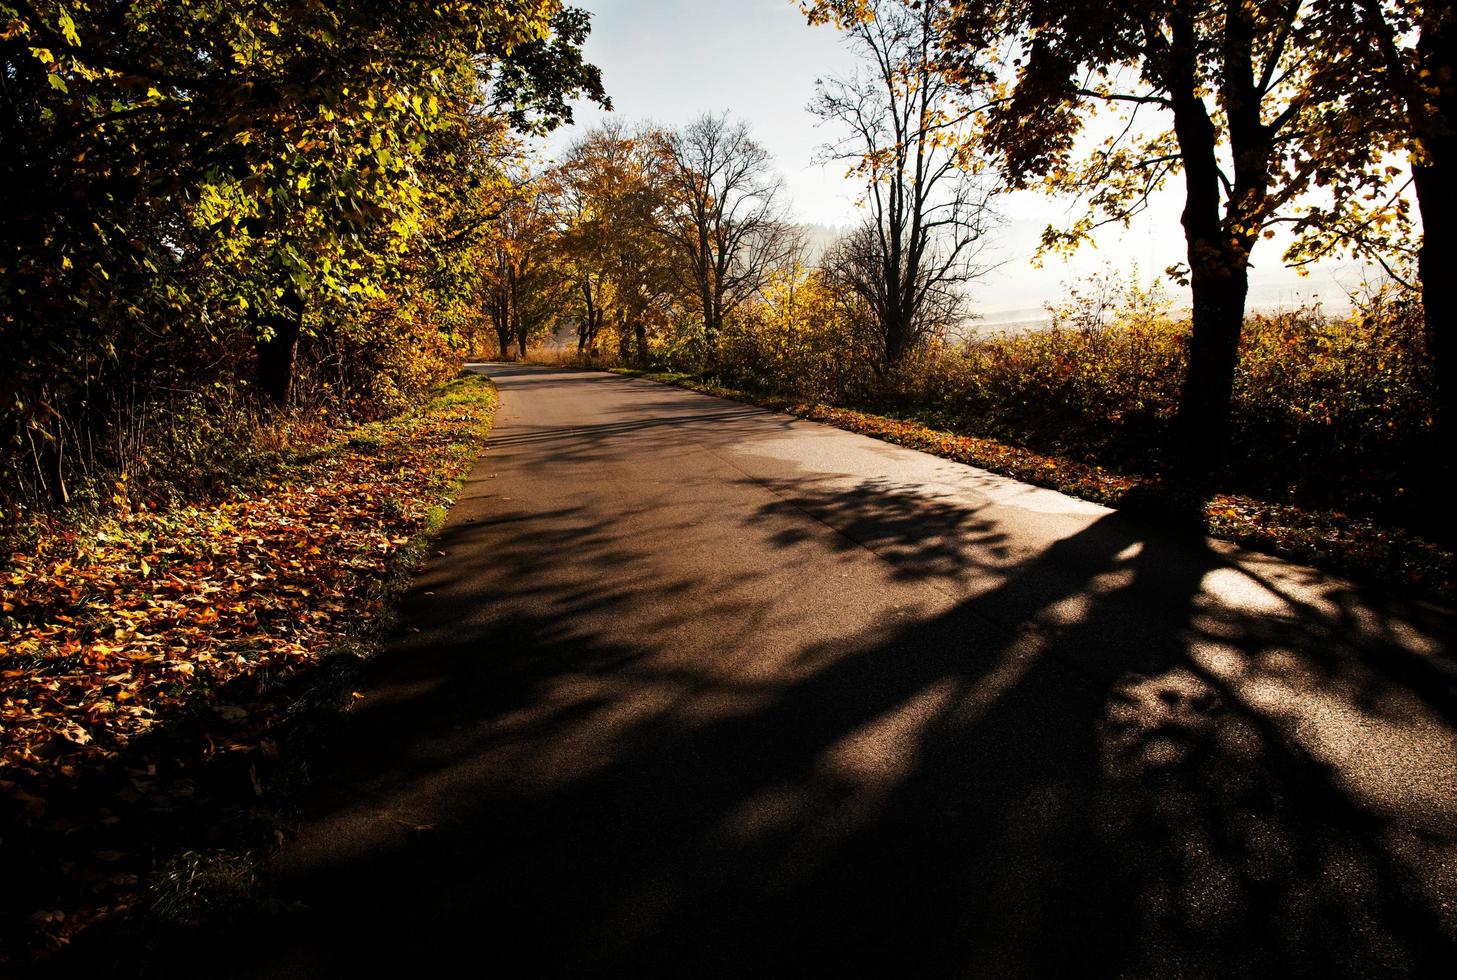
[(151, 660), (1359, 547)]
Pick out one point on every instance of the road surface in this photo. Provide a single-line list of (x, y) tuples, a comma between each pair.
[(694, 689)]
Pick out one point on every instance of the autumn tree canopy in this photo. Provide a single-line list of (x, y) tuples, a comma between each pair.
[(1238, 100), (236, 170), (1403, 94)]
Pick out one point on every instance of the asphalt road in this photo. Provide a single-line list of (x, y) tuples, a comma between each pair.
[(694, 689)]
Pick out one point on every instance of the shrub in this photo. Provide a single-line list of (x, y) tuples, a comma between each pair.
[(1329, 411)]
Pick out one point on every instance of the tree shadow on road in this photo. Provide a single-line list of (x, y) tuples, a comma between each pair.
[(919, 536), (1078, 770)]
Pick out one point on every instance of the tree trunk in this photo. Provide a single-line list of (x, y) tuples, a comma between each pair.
[(1436, 190), (641, 332), (587, 329), (278, 351), (710, 325), (1218, 276), (1436, 262), (710, 343), (897, 340), (1220, 282), (503, 330), (48, 457)]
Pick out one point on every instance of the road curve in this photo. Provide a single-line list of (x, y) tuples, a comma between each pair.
[(694, 689)]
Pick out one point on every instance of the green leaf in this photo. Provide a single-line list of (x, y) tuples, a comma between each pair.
[(68, 28)]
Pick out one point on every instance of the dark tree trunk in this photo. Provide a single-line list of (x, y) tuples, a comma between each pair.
[(1219, 283), (1218, 271), (48, 457), (278, 351), (711, 324), (587, 329), (1437, 267), (1436, 190), (897, 340), (56, 457), (503, 329), (710, 342), (641, 333)]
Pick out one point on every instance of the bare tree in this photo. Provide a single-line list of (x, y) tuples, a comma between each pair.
[(857, 265), (723, 217), (927, 214)]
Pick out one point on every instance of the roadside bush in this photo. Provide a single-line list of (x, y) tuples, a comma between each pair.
[(569, 357), (799, 340), (1101, 383), (144, 409), (153, 419), (383, 359), (1339, 411), (1332, 412)]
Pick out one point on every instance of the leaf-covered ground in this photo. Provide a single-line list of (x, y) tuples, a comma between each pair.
[(155, 667), (1358, 547)]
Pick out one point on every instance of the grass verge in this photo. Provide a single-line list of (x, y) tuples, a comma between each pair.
[(166, 676), (1356, 547)]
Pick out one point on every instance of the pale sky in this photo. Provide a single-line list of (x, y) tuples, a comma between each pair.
[(668, 61)]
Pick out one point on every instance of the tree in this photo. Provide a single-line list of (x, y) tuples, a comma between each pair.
[(1256, 118), (522, 284), (273, 149), (583, 242), (723, 218), (194, 193), (646, 286), (614, 199), (1404, 94), (911, 259)]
